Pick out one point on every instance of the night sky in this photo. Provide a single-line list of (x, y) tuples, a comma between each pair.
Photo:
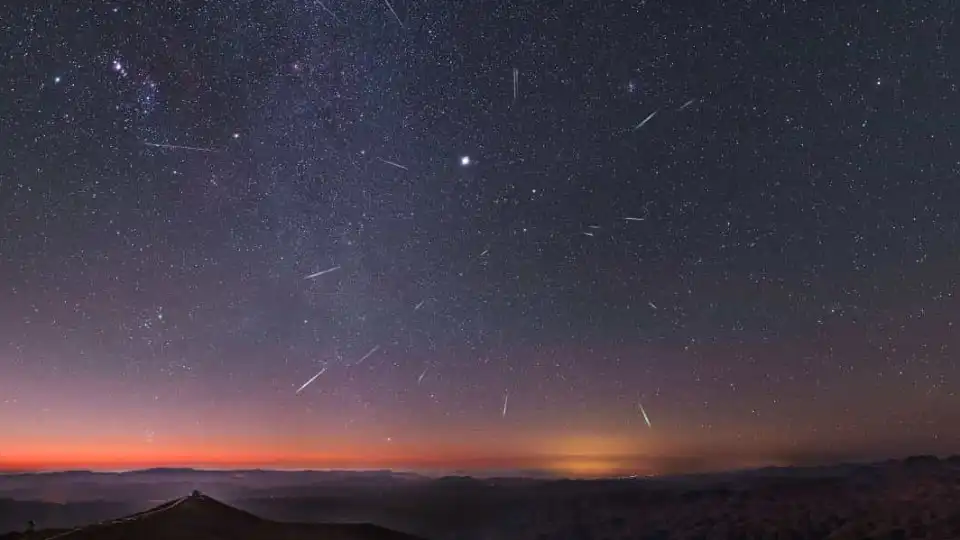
[(534, 223)]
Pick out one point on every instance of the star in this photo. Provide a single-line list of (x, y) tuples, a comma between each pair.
[(289, 193)]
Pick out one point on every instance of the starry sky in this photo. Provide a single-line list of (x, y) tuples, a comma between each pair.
[(583, 237)]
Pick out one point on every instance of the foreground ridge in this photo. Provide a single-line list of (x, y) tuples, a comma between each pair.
[(201, 517)]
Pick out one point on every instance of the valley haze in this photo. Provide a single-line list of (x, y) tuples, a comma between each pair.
[(844, 500)]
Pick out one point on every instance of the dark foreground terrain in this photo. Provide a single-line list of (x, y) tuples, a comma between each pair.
[(897, 500), (199, 517)]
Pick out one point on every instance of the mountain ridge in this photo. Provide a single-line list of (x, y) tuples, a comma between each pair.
[(201, 517)]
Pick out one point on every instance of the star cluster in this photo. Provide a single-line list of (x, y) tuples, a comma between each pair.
[(389, 233)]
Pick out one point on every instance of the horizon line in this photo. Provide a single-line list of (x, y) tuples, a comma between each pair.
[(441, 472)]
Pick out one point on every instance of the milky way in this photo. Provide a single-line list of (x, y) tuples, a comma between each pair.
[(745, 218)]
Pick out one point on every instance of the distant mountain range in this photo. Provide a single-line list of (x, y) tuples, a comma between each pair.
[(916, 496)]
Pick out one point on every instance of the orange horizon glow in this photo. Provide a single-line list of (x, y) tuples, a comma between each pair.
[(588, 457), (577, 459), (582, 458), (131, 458), (586, 454), (589, 454)]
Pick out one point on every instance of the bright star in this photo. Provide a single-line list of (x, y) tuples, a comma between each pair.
[(465, 160)]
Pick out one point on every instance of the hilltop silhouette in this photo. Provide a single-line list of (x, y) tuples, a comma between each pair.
[(200, 517), (897, 499)]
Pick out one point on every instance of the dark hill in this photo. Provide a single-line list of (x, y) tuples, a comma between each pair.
[(199, 517)]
